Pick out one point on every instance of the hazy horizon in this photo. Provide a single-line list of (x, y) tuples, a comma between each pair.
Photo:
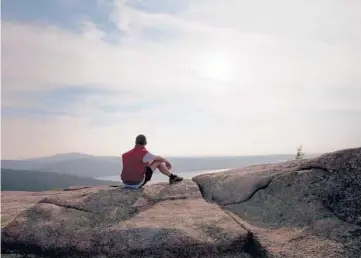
[(97, 166), (169, 156), (198, 78)]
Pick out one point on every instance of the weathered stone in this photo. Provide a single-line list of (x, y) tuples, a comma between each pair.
[(300, 208), (285, 202), (238, 185), (341, 190), (155, 221), (14, 202), (305, 208)]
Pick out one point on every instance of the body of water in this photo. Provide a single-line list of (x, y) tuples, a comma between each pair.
[(159, 177)]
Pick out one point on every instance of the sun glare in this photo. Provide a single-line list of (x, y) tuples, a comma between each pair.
[(217, 66)]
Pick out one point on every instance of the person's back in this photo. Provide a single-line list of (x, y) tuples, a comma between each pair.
[(133, 165), (139, 165)]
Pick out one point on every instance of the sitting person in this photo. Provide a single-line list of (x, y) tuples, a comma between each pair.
[(139, 165)]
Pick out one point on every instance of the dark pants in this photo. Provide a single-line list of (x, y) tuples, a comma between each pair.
[(148, 173)]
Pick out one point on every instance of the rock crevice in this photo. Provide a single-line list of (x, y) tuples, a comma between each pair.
[(65, 206), (286, 203)]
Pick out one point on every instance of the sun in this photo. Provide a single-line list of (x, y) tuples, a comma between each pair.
[(217, 66)]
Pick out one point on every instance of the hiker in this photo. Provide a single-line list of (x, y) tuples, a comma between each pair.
[(139, 165)]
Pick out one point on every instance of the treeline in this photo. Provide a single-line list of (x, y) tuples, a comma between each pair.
[(25, 180)]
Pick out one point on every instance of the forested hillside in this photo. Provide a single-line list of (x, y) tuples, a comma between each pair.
[(25, 180)]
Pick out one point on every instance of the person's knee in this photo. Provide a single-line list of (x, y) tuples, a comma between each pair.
[(156, 164)]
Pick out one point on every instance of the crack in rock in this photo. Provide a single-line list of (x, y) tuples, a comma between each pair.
[(65, 206)]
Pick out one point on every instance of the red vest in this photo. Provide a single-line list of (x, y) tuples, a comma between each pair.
[(133, 166)]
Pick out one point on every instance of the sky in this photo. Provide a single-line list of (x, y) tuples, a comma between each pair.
[(197, 77)]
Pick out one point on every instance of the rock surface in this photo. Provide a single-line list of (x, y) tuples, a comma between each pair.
[(304, 208), (157, 220), (15, 202), (307, 208)]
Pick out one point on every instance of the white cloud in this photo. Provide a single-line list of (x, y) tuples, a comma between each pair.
[(245, 69)]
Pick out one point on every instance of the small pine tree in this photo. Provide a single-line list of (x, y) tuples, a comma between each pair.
[(299, 154)]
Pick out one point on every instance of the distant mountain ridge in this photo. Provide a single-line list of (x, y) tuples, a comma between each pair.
[(24, 180), (77, 164), (85, 165)]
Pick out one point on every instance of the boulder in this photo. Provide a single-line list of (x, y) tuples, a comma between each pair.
[(340, 191), (15, 202), (238, 185), (304, 208), (160, 220)]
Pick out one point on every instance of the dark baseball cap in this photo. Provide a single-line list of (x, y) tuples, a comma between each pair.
[(141, 139)]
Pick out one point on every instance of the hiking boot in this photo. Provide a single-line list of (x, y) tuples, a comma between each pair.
[(174, 179)]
